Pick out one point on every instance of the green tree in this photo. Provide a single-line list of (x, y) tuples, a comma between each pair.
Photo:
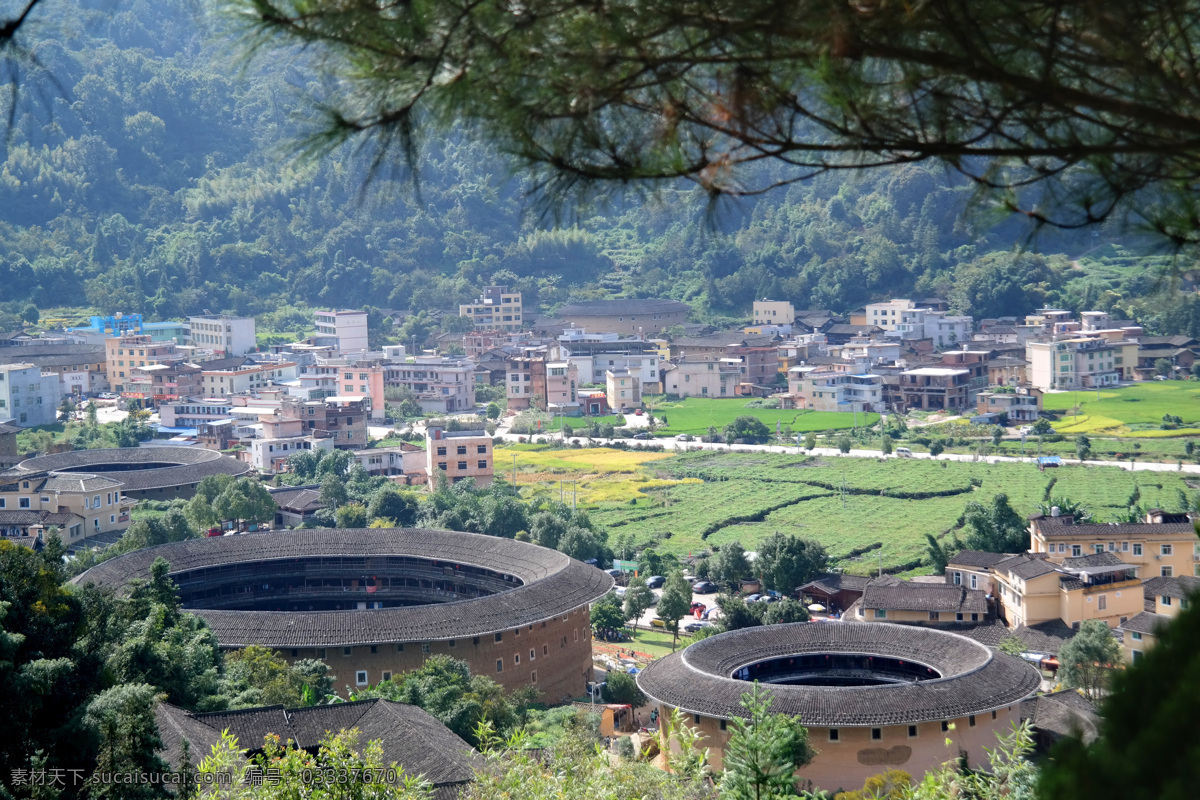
[(492, 411), (730, 566), (937, 447), (620, 687), (245, 499), (607, 612), (674, 603), (786, 562), (1083, 447), (962, 69), (939, 554), (737, 614), (785, 611), (810, 440), (390, 502), (747, 429), (333, 492), (1151, 708), (638, 598), (122, 720), (886, 446), (995, 529), (997, 435), (1163, 367), (1012, 644), (764, 751), (351, 515), (258, 676), (844, 444), (1042, 427), (1088, 658)]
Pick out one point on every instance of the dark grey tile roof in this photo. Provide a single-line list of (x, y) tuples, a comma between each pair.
[(54, 355), (9, 427), (1144, 622), (1065, 713), (1044, 637), (1065, 526), (1094, 560), (551, 585), (1181, 586), (622, 307), (78, 482), (29, 517), (185, 466), (1026, 567), (298, 498), (975, 678), (1069, 584), (226, 364), (908, 596), (844, 329), (977, 558), (410, 737), (832, 582)]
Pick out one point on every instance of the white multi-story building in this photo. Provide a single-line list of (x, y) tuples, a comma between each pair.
[(1079, 363), (271, 455), (686, 378), (233, 336), (888, 315), (348, 329), (904, 318), (28, 397), (238, 375)]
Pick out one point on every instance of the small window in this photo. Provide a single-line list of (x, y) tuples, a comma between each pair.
[(993, 715), (695, 719), (724, 724), (1137, 637), (500, 637), (833, 734), (1137, 548), (945, 726), (387, 676), (1166, 601), (935, 616), (1167, 549), (425, 648), (320, 652), (1167, 572), (532, 655), (880, 613), (360, 677), (533, 676), (971, 720), (374, 648), (400, 648), (452, 643), (545, 649), (499, 665), (347, 651), (876, 734), (958, 617), (912, 731)]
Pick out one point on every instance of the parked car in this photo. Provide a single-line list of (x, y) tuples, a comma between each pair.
[(658, 622), (684, 437), (637, 412), (615, 573), (698, 605), (903, 452), (642, 435), (692, 627), (620, 592), (655, 581), (754, 598), (704, 587)]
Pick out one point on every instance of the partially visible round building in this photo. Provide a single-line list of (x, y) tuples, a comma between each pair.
[(873, 696), (145, 473), (373, 603)]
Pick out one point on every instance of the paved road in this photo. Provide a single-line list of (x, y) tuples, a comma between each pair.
[(672, 444)]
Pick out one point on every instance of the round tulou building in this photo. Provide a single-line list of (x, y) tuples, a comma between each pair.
[(373, 603), (874, 696), (145, 473)]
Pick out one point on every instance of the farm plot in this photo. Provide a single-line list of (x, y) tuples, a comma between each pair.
[(1140, 404), (695, 415)]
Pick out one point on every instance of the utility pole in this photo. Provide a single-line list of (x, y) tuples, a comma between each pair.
[(572, 494), (514, 470)]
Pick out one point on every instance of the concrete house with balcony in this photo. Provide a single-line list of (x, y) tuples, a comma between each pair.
[(1163, 599), (935, 389), (458, 455), (345, 330), (1163, 545), (339, 419), (826, 390), (774, 312), (1019, 406), (688, 378), (1076, 363), (623, 389), (81, 368), (81, 504), (499, 309), (1033, 590), (442, 385)]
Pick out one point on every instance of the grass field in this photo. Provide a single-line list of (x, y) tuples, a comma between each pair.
[(695, 415), (601, 474), (1123, 410)]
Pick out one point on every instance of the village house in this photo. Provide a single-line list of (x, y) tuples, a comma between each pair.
[(28, 396), (1163, 600), (497, 310), (1162, 545), (458, 455)]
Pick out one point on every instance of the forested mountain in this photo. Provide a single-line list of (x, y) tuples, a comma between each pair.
[(145, 172)]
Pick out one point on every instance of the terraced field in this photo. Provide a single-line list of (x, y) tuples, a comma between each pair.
[(1129, 410)]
